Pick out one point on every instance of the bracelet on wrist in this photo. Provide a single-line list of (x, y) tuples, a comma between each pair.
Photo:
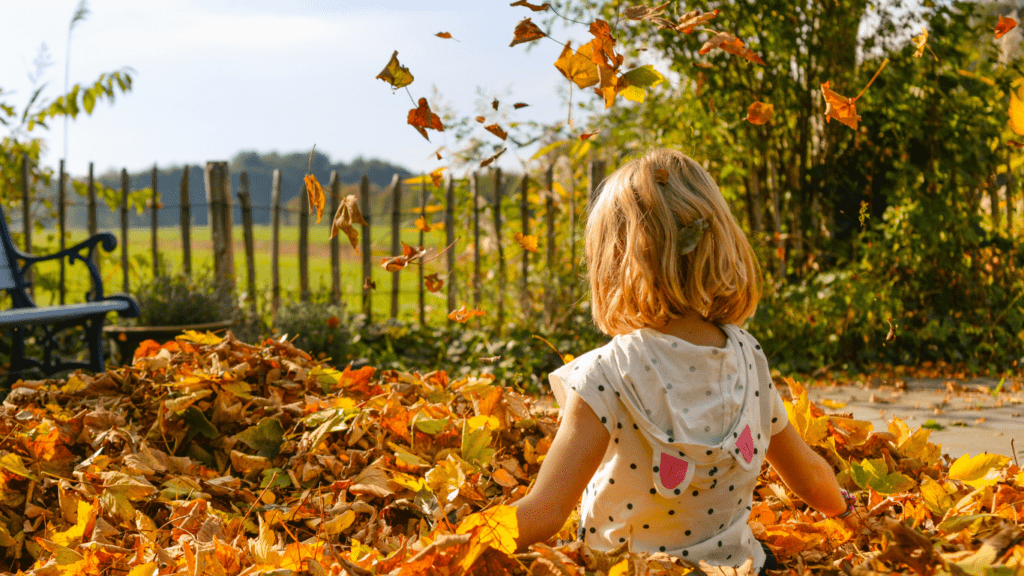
[(851, 501)]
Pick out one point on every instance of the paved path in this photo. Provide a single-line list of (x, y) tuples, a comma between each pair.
[(973, 420)]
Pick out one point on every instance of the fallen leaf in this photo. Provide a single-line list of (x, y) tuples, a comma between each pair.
[(348, 214), (480, 119), (526, 31), (435, 176), (587, 135), (661, 176), (645, 12), (422, 118), (395, 74), (494, 104), (527, 242), (1004, 25), (760, 113)]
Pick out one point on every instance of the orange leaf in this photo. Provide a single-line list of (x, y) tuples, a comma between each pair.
[(760, 113), (333, 322), (578, 68), (433, 283), (462, 315), (690, 20), (348, 214), (533, 7), (395, 74), (316, 196), (503, 478), (527, 242), (497, 131), (526, 31), (422, 118), (485, 163), (519, 105), (421, 224), (396, 263), (731, 44), (587, 135), (839, 107), (661, 176), (481, 119), (1005, 25), (435, 176), (1015, 144), (443, 35)]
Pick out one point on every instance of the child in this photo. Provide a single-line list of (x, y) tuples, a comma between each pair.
[(665, 427)]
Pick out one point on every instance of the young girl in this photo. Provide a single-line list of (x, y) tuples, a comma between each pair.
[(665, 427)]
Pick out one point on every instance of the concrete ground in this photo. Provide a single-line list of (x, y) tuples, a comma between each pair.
[(973, 420)]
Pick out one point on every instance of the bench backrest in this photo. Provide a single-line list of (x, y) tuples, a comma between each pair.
[(8, 274)]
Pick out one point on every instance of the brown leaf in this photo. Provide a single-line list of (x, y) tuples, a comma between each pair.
[(433, 283), (497, 131), (435, 176), (690, 20), (395, 74), (661, 176), (526, 31), (578, 68), (760, 113), (316, 196), (396, 263), (494, 104), (533, 7), (1004, 25), (348, 214), (731, 44), (445, 35), (480, 119), (588, 135), (645, 12), (519, 105), (422, 118), (369, 284), (487, 162)]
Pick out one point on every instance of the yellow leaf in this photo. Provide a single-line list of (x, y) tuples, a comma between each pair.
[(497, 527), (339, 523), (209, 338), (71, 536), (315, 194), (557, 188), (13, 463), (620, 569), (633, 93), (577, 67), (147, 569), (421, 224), (979, 471), (833, 404), (527, 242), (482, 421), (935, 496), (1016, 110), (446, 479)]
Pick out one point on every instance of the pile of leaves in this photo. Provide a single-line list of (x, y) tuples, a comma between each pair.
[(212, 456)]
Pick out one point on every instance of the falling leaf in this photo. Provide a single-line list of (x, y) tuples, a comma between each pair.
[(731, 44), (533, 7), (839, 107), (526, 31), (497, 131), (1016, 110), (645, 12), (494, 104), (519, 105), (760, 113), (333, 322), (396, 263), (316, 196), (421, 224), (348, 214), (445, 35), (690, 20), (1005, 25), (487, 162), (433, 283), (395, 74), (921, 41), (588, 135), (578, 68), (462, 315), (422, 118), (527, 242), (369, 284)]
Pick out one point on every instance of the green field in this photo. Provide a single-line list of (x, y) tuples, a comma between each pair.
[(171, 252)]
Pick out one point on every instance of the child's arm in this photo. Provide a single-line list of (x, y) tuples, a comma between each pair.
[(805, 472), (574, 456)]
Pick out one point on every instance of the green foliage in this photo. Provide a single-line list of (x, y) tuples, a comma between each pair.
[(177, 299), (319, 328)]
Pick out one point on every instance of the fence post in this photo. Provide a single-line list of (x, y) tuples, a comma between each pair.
[(303, 244), (153, 225), (335, 251), (364, 201), (218, 196), (449, 239), (549, 223), (475, 188), (396, 239), (250, 251), (26, 216), (423, 214), (62, 214), (124, 230), (92, 215), (186, 223), (524, 216), (275, 239), (1011, 185), (501, 248)]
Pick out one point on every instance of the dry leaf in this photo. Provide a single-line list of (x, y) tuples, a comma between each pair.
[(921, 41), (578, 68), (731, 44), (487, 162), (526, 31), (422, 118), (435, 176), (527, 242), (348, 214), (443, 35), (839, 107), (661, 176), (316, 196), (519, 105), (396, 263), (760, 113), (369, 284), (588, 135), (690, 20), (497, 131), (645, 12), (1004, 25), (533, 7), (462, 315), (433, 283), (395, 74), (480, 119), (494, 104), (421, 224)]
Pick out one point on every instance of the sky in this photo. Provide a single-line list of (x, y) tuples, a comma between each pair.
[(214, 77)]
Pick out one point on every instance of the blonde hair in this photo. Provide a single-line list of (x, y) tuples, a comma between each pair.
[(638, 278)]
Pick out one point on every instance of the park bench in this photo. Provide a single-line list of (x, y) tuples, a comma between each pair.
[(25, 317)]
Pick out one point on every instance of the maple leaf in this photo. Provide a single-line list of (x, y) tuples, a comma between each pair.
[(921, 41), (578, 68), (497, 527), (690, 20), (533, 7), (1004, 25), (422, 118), (527, 242), (760, 113), (732, 45), (396, 263), (462, 315), (395, 74), (433, 283), (348, 214), (526, 31), (421, 224), (497, 131), (839, 107), (487, 162)]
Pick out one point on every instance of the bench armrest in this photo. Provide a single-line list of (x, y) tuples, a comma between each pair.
[(82, 251)]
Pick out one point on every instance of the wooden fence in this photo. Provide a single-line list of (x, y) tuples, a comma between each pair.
[(220, 204)]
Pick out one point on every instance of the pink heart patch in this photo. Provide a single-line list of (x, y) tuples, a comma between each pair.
[(672, 470), (746, 444)]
